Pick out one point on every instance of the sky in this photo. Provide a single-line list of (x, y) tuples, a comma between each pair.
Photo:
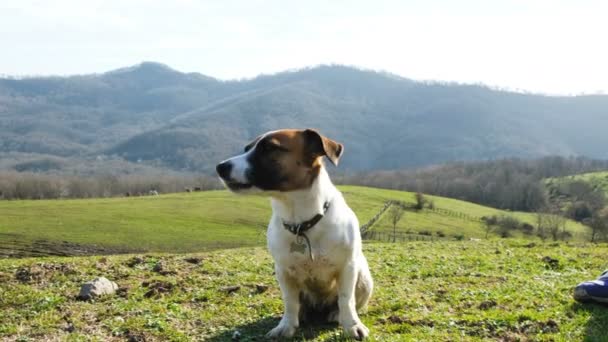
[(541, 46)]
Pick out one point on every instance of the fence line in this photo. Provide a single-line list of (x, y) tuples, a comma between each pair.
[(399, 236)]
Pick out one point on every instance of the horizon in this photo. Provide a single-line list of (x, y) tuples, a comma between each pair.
[(309, 67), (542, 47)]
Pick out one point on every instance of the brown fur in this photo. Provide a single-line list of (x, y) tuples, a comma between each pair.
[(297, 155)]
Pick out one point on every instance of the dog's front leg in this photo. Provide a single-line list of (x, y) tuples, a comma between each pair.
[(291, 301), (348, 317)]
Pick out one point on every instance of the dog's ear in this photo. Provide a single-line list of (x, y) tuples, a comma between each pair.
[(251, 144), (319, 145)]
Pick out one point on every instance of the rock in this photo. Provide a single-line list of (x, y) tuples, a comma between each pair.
[(97, 287)]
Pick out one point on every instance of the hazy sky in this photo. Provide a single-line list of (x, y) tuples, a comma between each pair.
[(551, 46)]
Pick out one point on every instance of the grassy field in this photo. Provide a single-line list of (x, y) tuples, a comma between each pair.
[(598, 180), (451, 216), (190, 222), (425, 291)]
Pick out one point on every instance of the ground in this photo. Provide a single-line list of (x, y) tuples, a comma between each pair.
[(510, 290)]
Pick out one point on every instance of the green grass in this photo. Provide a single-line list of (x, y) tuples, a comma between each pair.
[(435, 221), (598, 180), (190, 222), (439, 291)]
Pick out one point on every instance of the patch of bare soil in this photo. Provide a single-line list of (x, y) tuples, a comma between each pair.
[(12, 246)]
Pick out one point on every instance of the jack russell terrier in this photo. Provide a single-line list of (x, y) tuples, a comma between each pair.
[(313, 236)]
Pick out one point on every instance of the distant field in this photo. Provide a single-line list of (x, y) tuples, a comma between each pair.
[(598, 180), (501, 290), (188, 222), (450, 217)]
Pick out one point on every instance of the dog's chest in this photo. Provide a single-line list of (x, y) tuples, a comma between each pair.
[(322, 269)]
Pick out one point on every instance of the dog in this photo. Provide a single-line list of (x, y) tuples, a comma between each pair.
[(313, 235)]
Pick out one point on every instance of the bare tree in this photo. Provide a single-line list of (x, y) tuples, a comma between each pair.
[(489, 223), (598, 224), (556, 226), (540, 226), (395, 214)]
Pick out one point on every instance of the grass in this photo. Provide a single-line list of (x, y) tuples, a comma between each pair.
[(598, 180), (425, 291), (190, 222), (434, 221)]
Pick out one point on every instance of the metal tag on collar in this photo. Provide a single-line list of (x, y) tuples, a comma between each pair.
[(298, 235)]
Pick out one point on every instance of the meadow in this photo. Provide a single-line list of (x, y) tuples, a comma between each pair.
[(500, 290), (597, 180), (473, 289), (198, 221)]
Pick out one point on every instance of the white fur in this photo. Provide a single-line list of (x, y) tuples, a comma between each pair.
[(339, 266), (239, 167)]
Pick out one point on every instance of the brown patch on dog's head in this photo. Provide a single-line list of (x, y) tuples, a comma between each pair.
[(289, 159)]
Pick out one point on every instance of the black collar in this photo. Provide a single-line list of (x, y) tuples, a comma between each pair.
[(300, 228)]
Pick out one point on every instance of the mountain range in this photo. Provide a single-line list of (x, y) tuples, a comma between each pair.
[(150, 114)]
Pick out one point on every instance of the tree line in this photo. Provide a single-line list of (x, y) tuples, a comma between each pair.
[(27, 185), (512, 183)]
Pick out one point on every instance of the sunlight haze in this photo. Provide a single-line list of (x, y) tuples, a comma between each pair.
[(552, 47)]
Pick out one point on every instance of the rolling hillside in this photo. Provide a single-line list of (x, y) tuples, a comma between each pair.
[(190, 222), (570, 192), (597, 180), (152, 114)]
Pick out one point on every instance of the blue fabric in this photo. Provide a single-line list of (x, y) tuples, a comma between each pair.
[(593, 290)]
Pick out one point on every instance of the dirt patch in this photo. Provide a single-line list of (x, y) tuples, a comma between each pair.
[(40, 271), (193, 260), (487, 304), (395, 319), (158, 288), (551, 263), (508, 332), (161, 269), (134, 261), (14, 246), (230, 289)]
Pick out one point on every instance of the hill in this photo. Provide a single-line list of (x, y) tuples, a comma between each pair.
[(581, 196), (598, 181), (152, 114), (466, 291), (190, 222)]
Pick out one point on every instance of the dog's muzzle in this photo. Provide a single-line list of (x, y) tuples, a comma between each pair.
[(223, 169)]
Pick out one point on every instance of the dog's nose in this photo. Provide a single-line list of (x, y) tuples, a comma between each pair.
[(223, 169)]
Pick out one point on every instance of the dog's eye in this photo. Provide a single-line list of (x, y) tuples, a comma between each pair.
[(274, 147), (268, 146)]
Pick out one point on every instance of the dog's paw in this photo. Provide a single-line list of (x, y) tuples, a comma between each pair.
[(282, 330), (358, 331)]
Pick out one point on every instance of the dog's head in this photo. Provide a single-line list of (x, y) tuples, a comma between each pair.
[(284, 160)]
